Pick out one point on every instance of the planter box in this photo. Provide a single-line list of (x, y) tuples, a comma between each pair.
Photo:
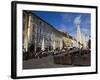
[(82, 60), (65, 60)]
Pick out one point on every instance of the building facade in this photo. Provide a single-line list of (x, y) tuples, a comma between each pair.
[(40, 35)]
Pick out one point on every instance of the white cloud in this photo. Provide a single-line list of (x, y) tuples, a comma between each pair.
[(77, 20), (86, 32)]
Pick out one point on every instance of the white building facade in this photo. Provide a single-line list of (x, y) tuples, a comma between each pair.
[(40, 35)]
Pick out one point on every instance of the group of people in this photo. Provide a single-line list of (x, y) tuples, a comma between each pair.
[(44, 53)]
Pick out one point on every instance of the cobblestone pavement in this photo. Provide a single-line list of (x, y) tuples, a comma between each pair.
[(44, 62)]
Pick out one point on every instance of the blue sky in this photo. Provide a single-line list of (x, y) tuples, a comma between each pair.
[(65, 21)]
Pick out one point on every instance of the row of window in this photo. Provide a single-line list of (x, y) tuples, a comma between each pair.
[(43, 30)]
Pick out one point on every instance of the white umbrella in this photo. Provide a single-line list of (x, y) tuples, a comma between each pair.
[(54, 45), (61, 44), (43, 45)]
